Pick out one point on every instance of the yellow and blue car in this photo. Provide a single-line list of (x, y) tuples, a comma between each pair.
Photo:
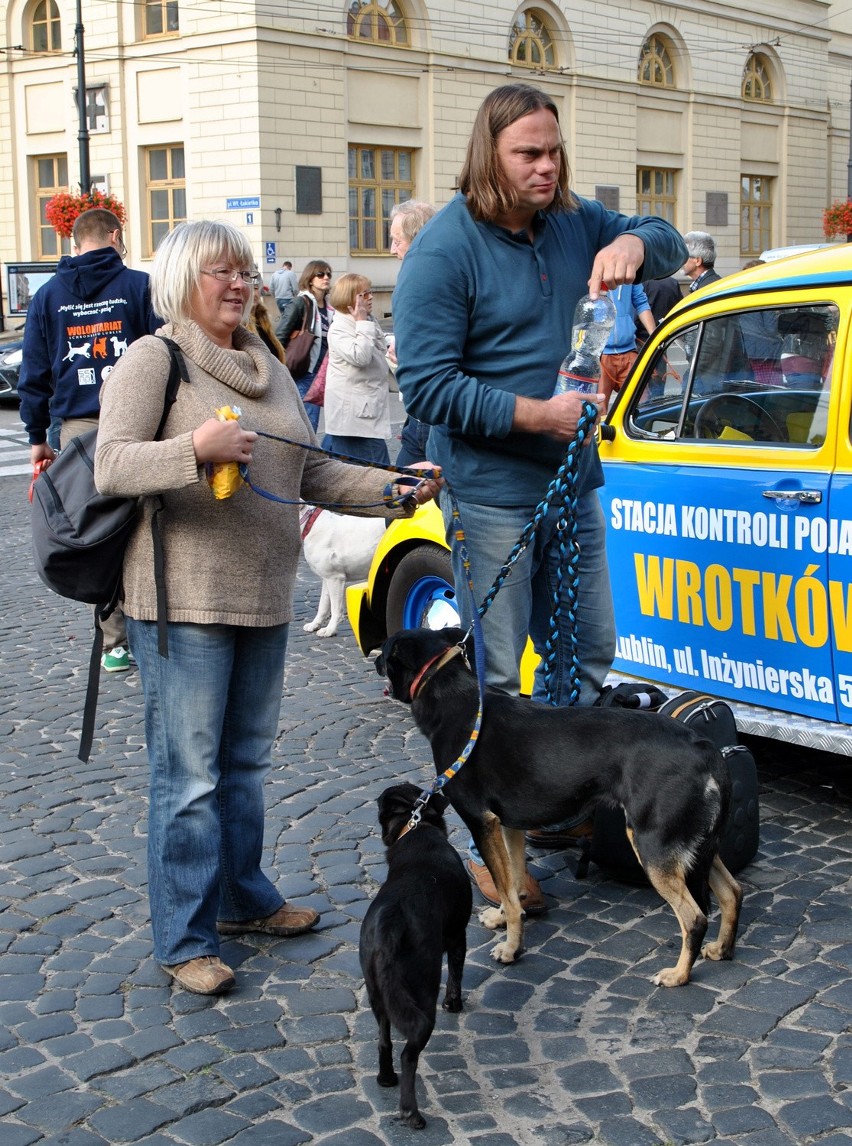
[(728, 500)]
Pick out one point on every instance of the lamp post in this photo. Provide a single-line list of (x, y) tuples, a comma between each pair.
[(83, 133)]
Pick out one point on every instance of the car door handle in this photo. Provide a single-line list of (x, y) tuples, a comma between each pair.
[(805, 496)]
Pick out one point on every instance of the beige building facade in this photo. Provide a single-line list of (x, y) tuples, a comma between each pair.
[(303, 123)]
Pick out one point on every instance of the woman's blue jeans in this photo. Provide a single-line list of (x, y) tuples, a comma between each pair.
[(211, 717)]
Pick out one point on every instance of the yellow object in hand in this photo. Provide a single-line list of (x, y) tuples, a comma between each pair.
[(224, 478)]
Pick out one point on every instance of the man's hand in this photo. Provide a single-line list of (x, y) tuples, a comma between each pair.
[(617, 263), (42, 453), (557, 417)]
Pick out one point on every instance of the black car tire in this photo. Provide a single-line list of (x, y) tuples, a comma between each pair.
[(424, 575)]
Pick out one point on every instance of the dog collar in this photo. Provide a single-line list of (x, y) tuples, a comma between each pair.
[(307, 516), (434, 663)]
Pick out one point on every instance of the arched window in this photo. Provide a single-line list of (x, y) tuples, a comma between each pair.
[(655, 63), (530, 42), (757, 79), (45, 27), (378, 21)]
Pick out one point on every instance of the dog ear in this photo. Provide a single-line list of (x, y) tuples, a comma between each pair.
[(379, 662)]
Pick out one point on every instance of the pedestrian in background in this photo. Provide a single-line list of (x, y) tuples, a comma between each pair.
[(619, 353), (700, 266), (314, 285), (407, 219), (79, 325), (357, 387), (284, 285)]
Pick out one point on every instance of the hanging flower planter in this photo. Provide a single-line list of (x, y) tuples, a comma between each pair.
[(837, 219), (63, 209)]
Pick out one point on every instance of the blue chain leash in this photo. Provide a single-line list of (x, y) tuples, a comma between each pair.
[(564, 487), (563, 491)]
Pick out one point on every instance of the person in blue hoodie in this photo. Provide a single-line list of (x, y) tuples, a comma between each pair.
[(78, 326), (619, 354)]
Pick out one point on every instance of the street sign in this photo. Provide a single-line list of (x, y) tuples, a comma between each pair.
[(271, 256), (243, 204)]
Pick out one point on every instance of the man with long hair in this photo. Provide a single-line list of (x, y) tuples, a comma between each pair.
[(483, 310)]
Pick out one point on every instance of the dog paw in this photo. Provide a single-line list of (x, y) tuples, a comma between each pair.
[(311, 626), (412, 1118), (715, 951), (328, 631), (453, 1005), (503, 953), (391, 1079), (670, 977), (492, 917)]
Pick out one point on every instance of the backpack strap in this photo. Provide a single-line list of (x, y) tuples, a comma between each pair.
[(177, 374)]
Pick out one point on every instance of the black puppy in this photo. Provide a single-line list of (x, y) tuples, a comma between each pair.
[(535, 764), (420, 912)]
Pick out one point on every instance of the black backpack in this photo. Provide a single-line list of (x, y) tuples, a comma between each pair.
[(712, 718), (80, 537)]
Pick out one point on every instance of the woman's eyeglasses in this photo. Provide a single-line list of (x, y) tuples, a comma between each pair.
[(250, 278), (323, 275)]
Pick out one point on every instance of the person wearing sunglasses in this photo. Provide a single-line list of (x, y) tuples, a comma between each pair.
[(314, 285), (212, 705), (357, 388)]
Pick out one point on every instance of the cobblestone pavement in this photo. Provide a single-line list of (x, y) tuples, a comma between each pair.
[(572, 1044)]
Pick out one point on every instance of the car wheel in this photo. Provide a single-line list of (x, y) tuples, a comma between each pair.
[(421, 593)]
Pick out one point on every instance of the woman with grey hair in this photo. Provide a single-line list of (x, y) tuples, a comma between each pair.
[(212, 706)]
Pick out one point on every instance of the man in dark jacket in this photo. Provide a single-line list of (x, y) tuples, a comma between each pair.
[(78, 326)]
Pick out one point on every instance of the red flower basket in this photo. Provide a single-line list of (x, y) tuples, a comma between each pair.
[(837, 219), (62, 210)]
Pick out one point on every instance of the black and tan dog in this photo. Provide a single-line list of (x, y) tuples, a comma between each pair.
[(534, 764), (421, 911)]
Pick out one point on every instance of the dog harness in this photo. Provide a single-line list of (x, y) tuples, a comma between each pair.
[(307, 518)]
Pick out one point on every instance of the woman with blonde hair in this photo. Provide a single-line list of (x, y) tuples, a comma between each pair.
[(212, 705), (357, 386)]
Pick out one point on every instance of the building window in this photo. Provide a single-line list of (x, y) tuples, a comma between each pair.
[(757, 80), (51, 175), (161, 17), (530, 43), (165, 181), (45, 27), (655, 63), (379, 21), (379, 178), (755, 215), (655, 192)]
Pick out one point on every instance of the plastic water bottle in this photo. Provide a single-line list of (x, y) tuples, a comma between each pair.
[(593, 320)]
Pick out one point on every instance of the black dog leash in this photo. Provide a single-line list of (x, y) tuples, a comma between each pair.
[(413, 476)]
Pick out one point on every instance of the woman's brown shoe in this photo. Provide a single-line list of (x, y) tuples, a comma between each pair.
[(206, 975), (286, 921)]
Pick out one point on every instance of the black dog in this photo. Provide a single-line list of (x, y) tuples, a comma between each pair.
[(420, 912), (534, 764)]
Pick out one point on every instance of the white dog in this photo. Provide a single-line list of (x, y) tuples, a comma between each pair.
[(338, 548)]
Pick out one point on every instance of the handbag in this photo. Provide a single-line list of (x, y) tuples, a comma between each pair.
[(298, 351), (316, 390)]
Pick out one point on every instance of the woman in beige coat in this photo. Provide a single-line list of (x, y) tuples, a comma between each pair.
[(357, 387)]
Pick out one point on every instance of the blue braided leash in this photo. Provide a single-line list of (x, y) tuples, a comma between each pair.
[(563, 486)]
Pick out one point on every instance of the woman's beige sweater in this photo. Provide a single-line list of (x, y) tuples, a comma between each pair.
[(231, 561)]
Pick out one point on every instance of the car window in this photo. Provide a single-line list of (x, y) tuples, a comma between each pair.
[(759, 376)]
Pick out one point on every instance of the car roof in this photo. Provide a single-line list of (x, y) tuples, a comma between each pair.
[(829, 266)]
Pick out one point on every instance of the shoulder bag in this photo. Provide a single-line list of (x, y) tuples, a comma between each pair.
[(298, 349)]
